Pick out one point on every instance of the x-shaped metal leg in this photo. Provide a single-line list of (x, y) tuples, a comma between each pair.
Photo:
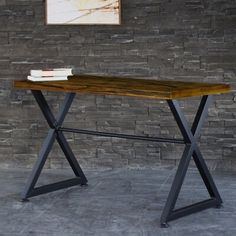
[(53, 134), (191, 150)]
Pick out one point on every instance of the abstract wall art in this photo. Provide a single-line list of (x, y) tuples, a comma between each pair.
[(73, 12)]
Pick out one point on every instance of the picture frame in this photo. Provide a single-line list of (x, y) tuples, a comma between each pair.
[(83, 12)]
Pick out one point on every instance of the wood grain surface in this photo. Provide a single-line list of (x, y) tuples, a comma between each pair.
[(143, 88)]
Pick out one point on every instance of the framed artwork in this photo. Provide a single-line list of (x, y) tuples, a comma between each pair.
[(83, 12)]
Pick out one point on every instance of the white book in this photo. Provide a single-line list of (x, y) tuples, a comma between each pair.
[(46, 78), (51, 72)]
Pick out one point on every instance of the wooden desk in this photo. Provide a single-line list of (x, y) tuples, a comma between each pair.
[(151, 89)]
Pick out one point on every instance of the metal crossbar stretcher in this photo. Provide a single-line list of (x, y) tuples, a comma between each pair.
[(170, 91)]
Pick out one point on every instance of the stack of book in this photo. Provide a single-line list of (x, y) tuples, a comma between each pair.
[(50, 75)]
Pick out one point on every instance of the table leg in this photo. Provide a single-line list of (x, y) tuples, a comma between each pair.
[(191, 137), (53, 134)]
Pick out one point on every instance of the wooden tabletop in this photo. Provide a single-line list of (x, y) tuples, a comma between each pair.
[(144, 88)]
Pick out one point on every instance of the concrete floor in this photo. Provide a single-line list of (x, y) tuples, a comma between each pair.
[(125, 202)]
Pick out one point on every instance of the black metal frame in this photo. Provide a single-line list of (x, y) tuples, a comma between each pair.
[(190, 139), (53, 134)]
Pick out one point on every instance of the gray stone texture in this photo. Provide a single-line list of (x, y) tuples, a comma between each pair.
[(120, 202), (190, 40)]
